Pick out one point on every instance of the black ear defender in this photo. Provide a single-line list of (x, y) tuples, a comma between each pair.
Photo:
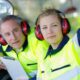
[(64, 23), (24, 26)]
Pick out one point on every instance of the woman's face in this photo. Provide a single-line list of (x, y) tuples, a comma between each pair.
[(51, 29)]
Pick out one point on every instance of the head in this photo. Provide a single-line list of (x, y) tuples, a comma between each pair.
[(51, 26), (11, 31)]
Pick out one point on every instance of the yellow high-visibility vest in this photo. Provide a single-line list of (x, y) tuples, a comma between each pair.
[(28, 57), (64, 65)]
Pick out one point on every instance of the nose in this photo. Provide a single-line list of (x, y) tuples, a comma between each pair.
[(49, 30), (12, 37)]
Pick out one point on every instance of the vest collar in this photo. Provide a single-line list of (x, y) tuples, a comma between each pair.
[(51, 51), (9, 48)]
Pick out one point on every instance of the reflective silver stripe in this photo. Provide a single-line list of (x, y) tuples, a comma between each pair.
[(75, 40), (39, 79), (32, 74), (76, 44), (70, 74)]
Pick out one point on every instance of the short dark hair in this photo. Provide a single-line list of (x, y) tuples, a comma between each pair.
[(11, 17)]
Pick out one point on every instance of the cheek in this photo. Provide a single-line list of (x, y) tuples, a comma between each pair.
[(59, 30), (8, 40), (44, 34), (20, 36), (19, 33), (59, 34)]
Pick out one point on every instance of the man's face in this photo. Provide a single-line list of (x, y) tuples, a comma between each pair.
[(12, 33), (51, 29)]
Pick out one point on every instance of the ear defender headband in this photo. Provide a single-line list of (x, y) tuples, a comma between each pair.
[(24, 26), (64, 22)]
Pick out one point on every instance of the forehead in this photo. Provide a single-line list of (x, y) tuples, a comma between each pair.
[(49, 19), (9, 24)]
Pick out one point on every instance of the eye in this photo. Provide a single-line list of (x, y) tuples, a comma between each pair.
[(7, 34), (55, 25), (44, 27), (16, 29)]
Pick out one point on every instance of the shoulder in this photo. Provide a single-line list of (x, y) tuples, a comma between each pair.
[(1, 50), (76, 38)]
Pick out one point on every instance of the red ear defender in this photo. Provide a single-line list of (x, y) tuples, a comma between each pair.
[(38, 33), (64, 21), (65, 26), (2, 41), (24, 27)]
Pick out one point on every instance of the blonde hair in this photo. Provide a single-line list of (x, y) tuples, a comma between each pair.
[(48, 12)]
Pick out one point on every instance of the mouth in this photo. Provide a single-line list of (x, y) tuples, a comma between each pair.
[(15, 42), (53, 36)]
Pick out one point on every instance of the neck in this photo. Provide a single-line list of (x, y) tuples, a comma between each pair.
[(55, 45), (18, 50)]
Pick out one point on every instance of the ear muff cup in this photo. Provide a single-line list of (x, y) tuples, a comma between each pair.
[(2, 40), (25, 27), (65, 26), (38, 33)]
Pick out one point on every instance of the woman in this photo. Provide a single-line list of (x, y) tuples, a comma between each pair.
[(62, 60)]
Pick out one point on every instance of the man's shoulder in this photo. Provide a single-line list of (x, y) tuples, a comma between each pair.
[(1, 50)]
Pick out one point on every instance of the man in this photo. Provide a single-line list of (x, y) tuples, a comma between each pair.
[(16, 42)]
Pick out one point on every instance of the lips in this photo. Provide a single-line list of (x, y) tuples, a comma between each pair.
[(52, 36), (15, 42)]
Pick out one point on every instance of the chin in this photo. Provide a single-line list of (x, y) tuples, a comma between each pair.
[(16, 47), (53, 42)]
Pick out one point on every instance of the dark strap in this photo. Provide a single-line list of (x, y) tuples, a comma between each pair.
[(4, 75), (2, 51)]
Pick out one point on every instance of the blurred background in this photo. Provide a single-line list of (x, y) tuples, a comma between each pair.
[(30, 9)]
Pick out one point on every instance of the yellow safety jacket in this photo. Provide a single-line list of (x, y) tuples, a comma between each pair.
[(63, 63), (27, 55)]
